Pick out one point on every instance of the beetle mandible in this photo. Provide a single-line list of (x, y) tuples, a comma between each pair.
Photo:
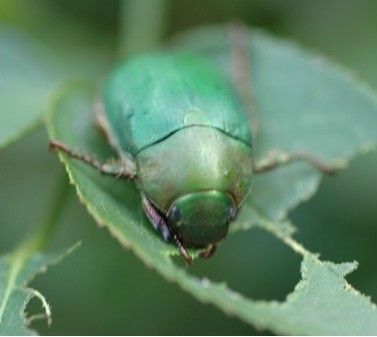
[(181, 130)]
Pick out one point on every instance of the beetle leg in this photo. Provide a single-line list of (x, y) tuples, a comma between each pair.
[(103, 125), (159, 223), (210, 250), (241, 73), (100, 120), (241, 77), (277, 161), (184, 253), (115, 170)]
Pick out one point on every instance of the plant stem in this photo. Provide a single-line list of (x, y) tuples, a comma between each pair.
[(143, 24)]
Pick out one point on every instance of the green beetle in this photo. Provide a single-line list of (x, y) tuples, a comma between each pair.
[(182, 133), (190, 139)]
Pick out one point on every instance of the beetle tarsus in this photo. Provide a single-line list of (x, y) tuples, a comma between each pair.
[(118, 171)]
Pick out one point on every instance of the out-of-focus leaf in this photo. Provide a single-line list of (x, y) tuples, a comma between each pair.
[(27, 77), (16, 271), (322, 302), (30, 72)]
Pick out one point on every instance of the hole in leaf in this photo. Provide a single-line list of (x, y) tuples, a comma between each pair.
[(253, 263), (35, 312), (340, 222)]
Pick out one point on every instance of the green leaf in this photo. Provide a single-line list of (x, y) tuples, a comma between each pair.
[(26, 80), (31, 72), (304, 104), (16, 271)]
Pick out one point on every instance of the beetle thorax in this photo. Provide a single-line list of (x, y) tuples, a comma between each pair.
[(194, 159)]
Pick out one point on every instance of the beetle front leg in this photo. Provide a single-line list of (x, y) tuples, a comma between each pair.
[(115, 170), (159, 223), (276, 161), (210, 250)]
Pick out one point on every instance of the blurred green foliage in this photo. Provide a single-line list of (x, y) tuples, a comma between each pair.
[(103, 289)]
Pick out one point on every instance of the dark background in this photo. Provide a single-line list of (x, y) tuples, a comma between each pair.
[(103, 289)]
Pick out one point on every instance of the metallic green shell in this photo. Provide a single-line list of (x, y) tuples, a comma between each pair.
[(150, 97), (185, 128)]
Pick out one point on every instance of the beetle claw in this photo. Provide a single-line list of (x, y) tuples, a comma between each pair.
[(210, 250), (184, 253)]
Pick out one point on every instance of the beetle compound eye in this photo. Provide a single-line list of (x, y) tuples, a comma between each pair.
[(232, 213), (175, 214)]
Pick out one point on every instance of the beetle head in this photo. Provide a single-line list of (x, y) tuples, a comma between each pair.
[(200, 218)]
